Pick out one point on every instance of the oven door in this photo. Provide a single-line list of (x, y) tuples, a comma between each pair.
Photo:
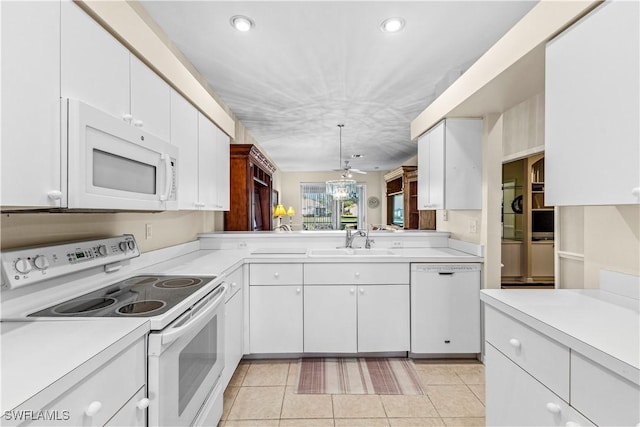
[(114, 165), (186, 360)]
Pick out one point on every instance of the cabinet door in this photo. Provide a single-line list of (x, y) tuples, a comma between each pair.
[(184, 134), (423, 172), (150, 104), (234, 335), (275, 319), (463, 164), (30, 103), (436, 167), (94, 65), (383, 318), (222, 171), (207, 151), (330, 319), (445, 312), (592, 109), (515, 398)]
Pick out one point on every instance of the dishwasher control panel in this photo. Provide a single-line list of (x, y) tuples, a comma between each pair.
[(446, 268)]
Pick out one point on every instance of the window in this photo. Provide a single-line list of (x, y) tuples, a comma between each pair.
[(321, 212)]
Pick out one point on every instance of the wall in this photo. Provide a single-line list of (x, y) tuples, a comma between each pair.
[(289, 185), (588, 238), (169, 228)]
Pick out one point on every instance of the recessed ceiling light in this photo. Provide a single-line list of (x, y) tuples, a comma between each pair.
[(242, 23), (392, 25)]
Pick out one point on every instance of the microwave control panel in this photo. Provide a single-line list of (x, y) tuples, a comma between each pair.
[(27, 266)]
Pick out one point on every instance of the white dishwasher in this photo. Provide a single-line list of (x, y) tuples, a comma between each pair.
[(445, 308)]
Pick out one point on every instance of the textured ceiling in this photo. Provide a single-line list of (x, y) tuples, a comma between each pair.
[(307, 66)]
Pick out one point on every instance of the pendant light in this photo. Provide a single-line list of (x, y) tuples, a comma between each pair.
[(343, 188)]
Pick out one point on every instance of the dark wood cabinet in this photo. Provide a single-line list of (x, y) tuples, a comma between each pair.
[(402, 201), (250, 189)]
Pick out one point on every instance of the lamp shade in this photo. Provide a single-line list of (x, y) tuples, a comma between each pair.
[(291, 211), (279, 211)]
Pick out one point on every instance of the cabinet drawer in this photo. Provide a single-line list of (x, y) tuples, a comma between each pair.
[(108, 385), (515, 398), (543, 358), (603, 396), (234, 279), (275, 274), (356, 274), (130, 414)]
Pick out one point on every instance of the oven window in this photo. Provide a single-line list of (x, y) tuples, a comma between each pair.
[(195, 362), (119, 173)]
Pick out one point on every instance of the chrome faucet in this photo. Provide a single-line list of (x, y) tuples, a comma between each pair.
[(351, 236), (368, 241)]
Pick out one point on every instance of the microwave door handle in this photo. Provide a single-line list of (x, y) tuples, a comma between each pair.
[(197, 321), (167, 176)]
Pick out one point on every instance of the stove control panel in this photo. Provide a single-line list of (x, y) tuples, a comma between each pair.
[(27, 266)]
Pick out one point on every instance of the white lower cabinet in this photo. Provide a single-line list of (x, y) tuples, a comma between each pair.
[(275, 319), (356, 319), (234, 325), (383, 318), (515, 398), (603, 396), (133, 413), (330, 319)]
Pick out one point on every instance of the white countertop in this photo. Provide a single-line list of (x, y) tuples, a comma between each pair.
[(597, 324), (37, 354)]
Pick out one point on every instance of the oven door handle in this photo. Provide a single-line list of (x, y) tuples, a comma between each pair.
[(197, 321), (167, 177)]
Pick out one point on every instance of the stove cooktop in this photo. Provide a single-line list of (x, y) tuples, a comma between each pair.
[(141, 296)]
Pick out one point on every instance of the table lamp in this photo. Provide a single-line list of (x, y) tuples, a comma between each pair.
[(279, 212), (291, 212)]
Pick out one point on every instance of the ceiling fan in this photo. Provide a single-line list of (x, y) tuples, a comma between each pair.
[(347, 169)]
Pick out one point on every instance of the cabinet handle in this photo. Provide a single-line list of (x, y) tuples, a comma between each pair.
[(276, 274), (636, 192), (93, 408), (138, 123), (199, 205), (298, 290), (515, 343), (127, 117), (54, 195), (143, 403), (361, 291), (353, 291), (554, 408), (234, 284), (357, 274)]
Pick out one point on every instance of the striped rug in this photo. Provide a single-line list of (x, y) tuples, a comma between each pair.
[(357, 376)]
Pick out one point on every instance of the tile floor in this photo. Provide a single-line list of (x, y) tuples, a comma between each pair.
[(262, 393)]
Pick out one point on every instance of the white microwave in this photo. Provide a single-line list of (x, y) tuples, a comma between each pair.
[(113, 165)]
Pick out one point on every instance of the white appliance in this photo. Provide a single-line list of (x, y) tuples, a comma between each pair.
[(186, 361), (186, 315), (114, 165), (445, 309)]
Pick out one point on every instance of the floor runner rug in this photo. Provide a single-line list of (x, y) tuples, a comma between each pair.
[(357, 376)]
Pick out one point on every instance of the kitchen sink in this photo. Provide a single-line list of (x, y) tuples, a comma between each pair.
[(351, 252)]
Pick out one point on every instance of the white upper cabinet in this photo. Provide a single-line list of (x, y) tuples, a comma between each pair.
[(592, 113), (30, 104), (184, 134), (150, 103), (223, 180), (95, 66), (207, 149), (450, 166), (101, 72)]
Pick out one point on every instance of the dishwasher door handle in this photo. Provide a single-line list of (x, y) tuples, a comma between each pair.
[(446, 273)]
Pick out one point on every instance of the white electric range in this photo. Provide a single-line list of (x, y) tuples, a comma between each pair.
[(185, 314)]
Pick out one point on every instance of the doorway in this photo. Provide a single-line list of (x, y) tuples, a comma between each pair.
[(527, 226)]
